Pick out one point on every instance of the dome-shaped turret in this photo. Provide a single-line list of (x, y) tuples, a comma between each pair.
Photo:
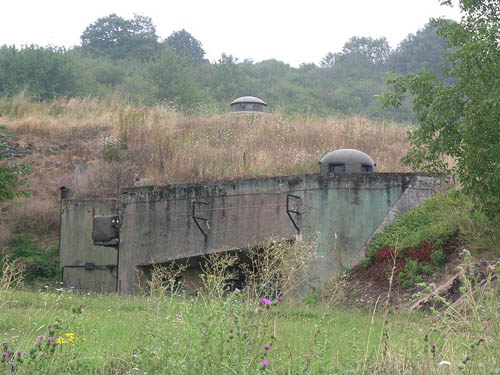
[(346, 160), (248, 104)]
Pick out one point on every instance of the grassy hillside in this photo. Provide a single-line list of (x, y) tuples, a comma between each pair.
[(95, 146), (118, 144)]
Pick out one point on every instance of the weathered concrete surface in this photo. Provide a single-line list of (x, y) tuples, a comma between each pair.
[(342, 211), (77, 248)]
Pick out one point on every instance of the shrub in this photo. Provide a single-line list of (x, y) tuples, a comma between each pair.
[(438, 258), (40, 263), (413, 273)]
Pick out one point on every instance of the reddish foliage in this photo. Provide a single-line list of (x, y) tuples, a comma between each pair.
[(421, 254), (385, 253), (381, 266), (373, 281)]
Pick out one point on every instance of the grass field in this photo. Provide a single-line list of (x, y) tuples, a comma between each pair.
[(239, 334), (181, 335)]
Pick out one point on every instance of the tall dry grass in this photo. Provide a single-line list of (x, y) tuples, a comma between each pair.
[(122, 144)]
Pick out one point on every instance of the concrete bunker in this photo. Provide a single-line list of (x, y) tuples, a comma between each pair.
[(347, 161), (248, 104), (185, 221)]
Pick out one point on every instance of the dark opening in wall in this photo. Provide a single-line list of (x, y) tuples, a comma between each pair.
[(336, 168), (195, 274)]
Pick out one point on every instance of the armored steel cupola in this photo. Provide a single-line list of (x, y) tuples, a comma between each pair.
[(248, 104), (346, 161)]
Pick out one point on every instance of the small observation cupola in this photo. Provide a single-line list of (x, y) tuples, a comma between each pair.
[(346, 161), (248, 104)]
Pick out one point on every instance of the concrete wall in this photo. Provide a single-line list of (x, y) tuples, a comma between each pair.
[(77, 248), (343, 211)]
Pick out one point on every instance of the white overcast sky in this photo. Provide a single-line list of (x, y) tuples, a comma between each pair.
[(291, 31)]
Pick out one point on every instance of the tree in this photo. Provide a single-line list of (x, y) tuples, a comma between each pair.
[(173, 79), (375, 50), (228, 81), (461, 119), (184, 44), (420, 51), (118, 38), (43, 72), (328, 60)]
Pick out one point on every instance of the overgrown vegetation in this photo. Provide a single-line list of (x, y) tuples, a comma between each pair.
[(425, 237), (127, 57), (12, 176), (118, 144), (434, 221), (458, 114), (40, 264), (63, 332)]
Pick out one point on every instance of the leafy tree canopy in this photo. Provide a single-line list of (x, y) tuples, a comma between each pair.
[(360, 53), (174, 82), (118, 38), (461, 120), (44, 72), (420, 51), (184, 44), (375, 50)]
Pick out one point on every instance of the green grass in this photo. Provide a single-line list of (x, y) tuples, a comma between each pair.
[(430, 222), (183, 333), (436, 221), (206, 335)]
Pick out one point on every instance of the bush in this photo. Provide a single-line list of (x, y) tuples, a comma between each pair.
[(438, 258), (44, 72), (414, 273), (40, 263)]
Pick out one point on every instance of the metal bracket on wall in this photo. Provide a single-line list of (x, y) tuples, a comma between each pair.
[(289, 211), (196, 218)]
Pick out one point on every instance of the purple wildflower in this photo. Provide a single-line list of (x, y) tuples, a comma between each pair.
[(265, 363), (265, 302), (467, 358), (49, 339), (247, 287), (230, 330), (41, 337), (464, 250), (4, 355), (281, 299), (18, 353), (433, 346), (54, 343), (266, 347)]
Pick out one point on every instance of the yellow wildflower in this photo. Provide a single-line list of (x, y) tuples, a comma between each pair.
[(70, 336)]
